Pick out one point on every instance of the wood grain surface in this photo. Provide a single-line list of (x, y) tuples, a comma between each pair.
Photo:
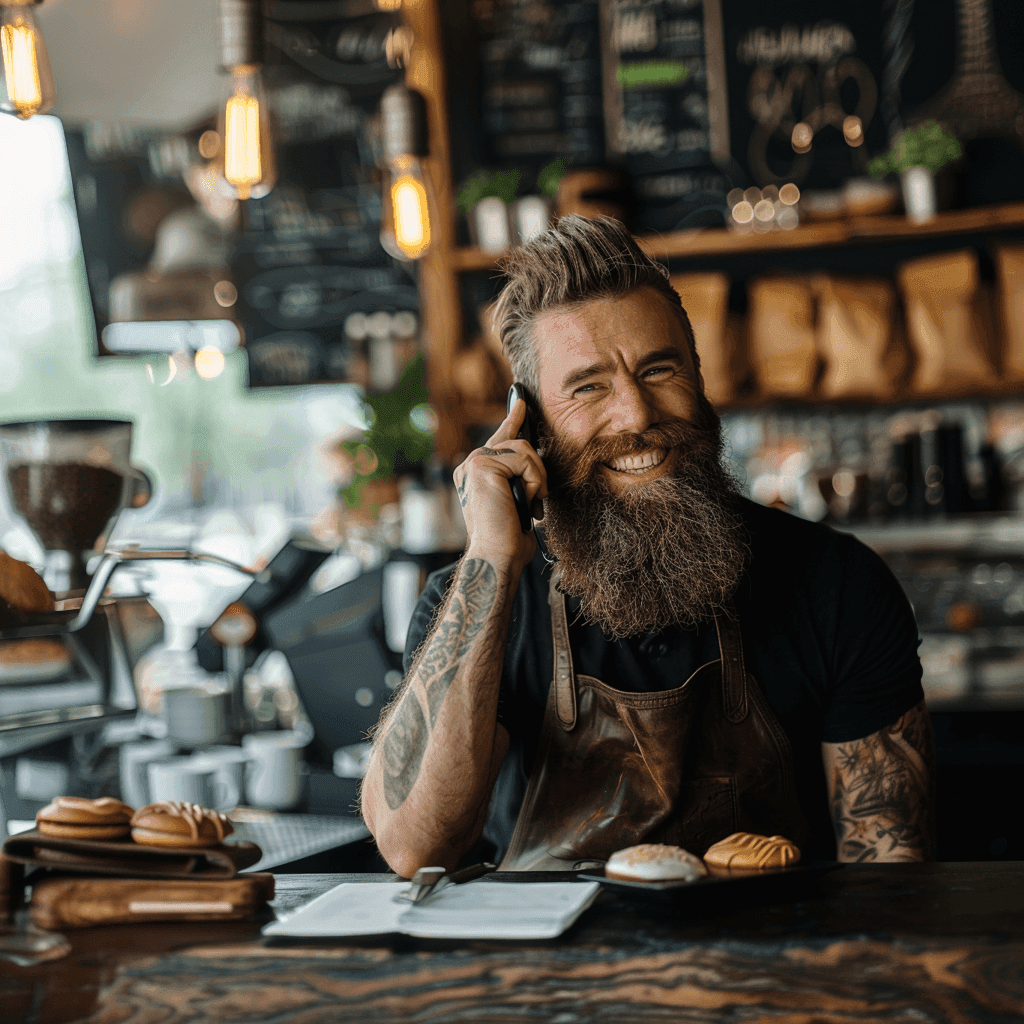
[(906, 943)]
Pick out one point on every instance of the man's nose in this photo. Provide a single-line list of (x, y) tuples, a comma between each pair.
[(630, 407)]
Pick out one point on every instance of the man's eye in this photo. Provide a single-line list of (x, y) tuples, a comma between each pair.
[(585, 388), (656, 370)]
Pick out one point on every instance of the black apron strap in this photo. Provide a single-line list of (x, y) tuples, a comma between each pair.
[(734, 673), (564, 682)]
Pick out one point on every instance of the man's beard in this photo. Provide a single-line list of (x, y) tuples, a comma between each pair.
[(666, 553)]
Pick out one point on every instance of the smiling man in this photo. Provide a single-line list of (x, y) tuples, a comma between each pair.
[(685, 665)]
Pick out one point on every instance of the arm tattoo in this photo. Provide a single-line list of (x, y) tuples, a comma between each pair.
[(466, 611), (881, 792)]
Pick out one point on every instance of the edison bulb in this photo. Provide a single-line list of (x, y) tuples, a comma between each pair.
[(27, 79), (406, 230), (246, 158)]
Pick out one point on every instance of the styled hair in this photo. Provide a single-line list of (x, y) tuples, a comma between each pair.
[(576, 260)]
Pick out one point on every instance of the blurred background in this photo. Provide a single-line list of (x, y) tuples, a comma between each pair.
[(265, 235)]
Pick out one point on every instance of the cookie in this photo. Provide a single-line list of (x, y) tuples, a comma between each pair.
[(76, 817), (172, 823), (654, 862), (746, 850)]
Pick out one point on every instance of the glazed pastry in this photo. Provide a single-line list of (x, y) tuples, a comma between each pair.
[(746, 850), (75, 817), (654, 862), (172, 823)]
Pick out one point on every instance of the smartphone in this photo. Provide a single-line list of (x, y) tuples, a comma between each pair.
[(527, 433)]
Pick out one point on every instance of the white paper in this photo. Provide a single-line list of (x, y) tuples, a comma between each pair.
[(476, 910)]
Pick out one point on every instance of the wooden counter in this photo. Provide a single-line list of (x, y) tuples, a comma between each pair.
[(908, 943)]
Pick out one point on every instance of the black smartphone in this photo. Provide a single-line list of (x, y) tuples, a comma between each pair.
[(527, 433)]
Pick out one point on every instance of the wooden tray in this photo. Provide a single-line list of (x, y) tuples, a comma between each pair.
[(128, 859)]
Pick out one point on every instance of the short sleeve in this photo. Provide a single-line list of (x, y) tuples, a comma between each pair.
[(424, 612), (876, 668)]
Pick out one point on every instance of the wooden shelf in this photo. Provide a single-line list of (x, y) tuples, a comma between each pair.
[(862, 230)]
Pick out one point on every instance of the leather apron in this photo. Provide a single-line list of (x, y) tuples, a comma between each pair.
[(686, 767)]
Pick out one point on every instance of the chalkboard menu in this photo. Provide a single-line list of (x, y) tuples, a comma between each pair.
[(665, 107), (307, 257), (533, 94)]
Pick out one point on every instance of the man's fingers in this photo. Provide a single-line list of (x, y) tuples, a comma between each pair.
[(515, 458), (510, 425)]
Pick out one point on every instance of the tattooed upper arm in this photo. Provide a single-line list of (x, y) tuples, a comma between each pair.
[(882, 791)]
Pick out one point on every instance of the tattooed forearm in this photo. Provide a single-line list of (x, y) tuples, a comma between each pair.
[(404, 744), (467, 609), (881, 792)]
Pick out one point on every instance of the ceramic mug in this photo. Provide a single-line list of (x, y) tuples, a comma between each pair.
[(196, 716), (229, 765), (191, 781), (273, 778), (135, 759)]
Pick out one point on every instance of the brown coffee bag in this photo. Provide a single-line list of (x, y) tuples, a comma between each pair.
[(783, 348), (705, 298), (947, 324), (859, 338)]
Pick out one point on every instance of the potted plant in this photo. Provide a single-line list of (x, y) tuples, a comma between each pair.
[(917, 155), (485, 199)]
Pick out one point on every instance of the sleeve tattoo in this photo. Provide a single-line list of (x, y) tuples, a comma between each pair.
[(407, 733), (881, 792)]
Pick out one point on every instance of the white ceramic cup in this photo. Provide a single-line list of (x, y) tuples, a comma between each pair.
[(229, 765), (196, 716), (190, 780), (273, 778), (135, 758)]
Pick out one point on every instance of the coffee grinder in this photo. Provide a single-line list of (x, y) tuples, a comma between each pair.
[(62, 671)]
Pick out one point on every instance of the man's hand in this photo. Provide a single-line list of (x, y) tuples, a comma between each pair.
[(482, 481), (881, 792)]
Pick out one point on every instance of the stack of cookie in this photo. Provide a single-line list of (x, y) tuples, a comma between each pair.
[(170, 824)]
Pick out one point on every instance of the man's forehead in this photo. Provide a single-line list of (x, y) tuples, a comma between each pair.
[(641, 320)]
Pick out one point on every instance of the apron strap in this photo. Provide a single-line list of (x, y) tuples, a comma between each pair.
[(734, 673), (564, 683)]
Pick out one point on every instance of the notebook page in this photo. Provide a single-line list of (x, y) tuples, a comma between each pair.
[(500, 910), (352, 908)]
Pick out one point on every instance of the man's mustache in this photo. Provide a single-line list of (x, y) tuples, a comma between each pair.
[(572, 465)]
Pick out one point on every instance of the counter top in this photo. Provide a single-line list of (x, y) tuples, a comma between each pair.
[(900, 942)]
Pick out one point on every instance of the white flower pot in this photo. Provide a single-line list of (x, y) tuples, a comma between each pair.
[(918, 193), (490, 226)]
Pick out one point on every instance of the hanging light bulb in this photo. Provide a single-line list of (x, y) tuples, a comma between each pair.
[(246, 153), (27, 84), (408, 205)]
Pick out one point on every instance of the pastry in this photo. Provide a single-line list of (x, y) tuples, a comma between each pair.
[(21, 588), (746, 850), (172, 823), (76, 817), (654, 862)]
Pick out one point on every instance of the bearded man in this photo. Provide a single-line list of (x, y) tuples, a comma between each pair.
[(682, 664)]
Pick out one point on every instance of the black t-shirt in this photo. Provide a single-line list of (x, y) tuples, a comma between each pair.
[(827, 633)]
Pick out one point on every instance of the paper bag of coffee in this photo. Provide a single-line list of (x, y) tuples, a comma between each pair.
[(783, 349), (947, 324), (861, 345), (705, 298), (1010, 278)]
